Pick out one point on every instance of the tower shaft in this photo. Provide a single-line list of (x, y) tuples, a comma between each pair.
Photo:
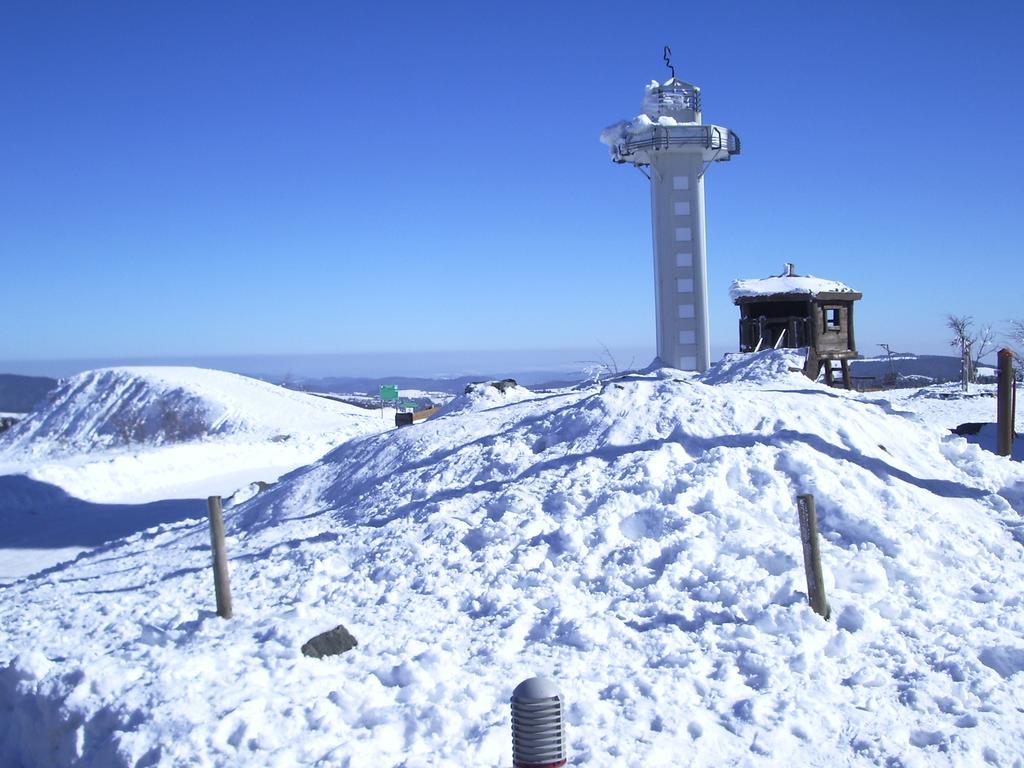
[(680, 260), (670, 137)]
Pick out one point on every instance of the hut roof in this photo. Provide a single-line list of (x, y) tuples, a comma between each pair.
[(788, 283)]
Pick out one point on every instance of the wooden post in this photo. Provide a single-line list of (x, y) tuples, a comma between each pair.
[(812, 555), (221, 583), (1004, 407)]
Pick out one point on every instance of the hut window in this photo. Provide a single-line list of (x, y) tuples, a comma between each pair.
[(831, 318)]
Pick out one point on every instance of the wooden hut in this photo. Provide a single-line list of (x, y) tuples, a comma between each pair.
[(790, 310)]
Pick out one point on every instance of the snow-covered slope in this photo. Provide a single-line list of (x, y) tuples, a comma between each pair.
[(638, 543), (118, 407), (125, 438), (135, 435)]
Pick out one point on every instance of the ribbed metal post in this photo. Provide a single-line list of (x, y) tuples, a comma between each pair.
[(538, 728)]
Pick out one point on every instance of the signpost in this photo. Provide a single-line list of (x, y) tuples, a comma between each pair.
[(388, 394)]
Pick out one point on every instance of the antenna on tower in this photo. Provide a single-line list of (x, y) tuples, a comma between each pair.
[(666, 55)]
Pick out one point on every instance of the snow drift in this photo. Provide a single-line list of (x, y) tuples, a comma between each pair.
[(117, 407), (637, 542)]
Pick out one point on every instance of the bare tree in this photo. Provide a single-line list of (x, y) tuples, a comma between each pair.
[(891, 377), (604, 368), (985, 343), (1017, 342), (973, 345), (1017, 336)]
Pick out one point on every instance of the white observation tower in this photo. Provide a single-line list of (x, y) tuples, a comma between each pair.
[(668, 136)]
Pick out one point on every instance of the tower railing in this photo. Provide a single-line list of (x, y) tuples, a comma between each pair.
[(710, 137)]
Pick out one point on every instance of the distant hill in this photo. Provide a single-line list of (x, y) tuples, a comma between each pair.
[(115, 407), (20, 394)]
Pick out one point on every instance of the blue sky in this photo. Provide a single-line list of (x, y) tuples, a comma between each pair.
[(213, 179)]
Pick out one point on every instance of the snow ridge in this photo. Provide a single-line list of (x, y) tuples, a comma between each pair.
[(117, 407)]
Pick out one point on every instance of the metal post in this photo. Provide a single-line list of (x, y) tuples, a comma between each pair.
[(538, 730), (1004, 407), (221, 583), (812, 555)]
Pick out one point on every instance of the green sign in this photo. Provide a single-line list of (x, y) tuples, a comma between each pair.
[(407, 405), (388, 392)]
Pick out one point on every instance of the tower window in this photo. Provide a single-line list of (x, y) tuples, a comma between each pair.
[(831, 318)]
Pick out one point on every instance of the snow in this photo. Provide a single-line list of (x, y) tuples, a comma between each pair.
[(110, 446), (782, 364), (635, 541), (770, 286), (946, 405), (654, 104), (131, 435), (616, 134), (486, 395), (113, 407)]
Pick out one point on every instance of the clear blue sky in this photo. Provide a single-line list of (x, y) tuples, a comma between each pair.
[(206, 178)]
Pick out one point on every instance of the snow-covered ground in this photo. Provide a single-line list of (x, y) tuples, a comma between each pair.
[(110, 447), (635, 541), (945, 405), (912, 371)]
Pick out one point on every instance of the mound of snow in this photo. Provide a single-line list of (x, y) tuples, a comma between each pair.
[(480, 396), (117, 407), (637, 543), (758, 367)]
